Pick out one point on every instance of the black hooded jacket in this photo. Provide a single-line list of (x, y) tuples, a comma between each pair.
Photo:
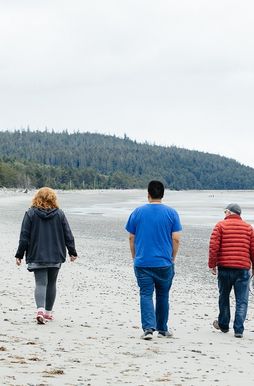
[(44, 237)]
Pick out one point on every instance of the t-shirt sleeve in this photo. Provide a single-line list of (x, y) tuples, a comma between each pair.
[(131, 224), (177, 227)]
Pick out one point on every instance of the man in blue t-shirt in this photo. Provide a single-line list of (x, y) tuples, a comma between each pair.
[(154, 241)]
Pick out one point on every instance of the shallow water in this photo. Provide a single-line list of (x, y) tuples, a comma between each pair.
[(195, 207)]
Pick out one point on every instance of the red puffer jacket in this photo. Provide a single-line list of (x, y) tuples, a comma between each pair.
[(232, 244)]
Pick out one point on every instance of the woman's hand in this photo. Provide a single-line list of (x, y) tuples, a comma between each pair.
[(18, 261), (73, 258)]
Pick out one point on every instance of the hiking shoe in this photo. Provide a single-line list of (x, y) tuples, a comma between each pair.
[(40, 317), (148, 335), (216, 325), (165, 334), (238, 335), (48, 317)]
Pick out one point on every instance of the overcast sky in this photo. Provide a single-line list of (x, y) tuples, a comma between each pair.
[(175, 72)]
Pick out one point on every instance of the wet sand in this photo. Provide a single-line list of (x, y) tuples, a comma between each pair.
[(94, 339)]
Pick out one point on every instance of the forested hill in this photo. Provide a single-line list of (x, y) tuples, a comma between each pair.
[(86, 160)]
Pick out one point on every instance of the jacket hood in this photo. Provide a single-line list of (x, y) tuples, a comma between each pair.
[(45, 214)]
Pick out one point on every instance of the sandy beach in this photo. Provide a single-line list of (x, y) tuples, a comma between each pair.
[(95, 337)]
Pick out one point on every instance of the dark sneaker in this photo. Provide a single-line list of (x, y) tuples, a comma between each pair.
[(238, 335), (216, 325), (165, 334), (148, 335)]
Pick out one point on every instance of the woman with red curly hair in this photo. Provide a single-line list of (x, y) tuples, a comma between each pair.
[(45, 235)]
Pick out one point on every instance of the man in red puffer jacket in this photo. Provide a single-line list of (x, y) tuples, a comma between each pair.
[(231, 249)]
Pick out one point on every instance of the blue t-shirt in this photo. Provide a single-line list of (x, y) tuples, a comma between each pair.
[(153, 225)]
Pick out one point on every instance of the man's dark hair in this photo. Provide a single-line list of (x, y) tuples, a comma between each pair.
[(156, 189)]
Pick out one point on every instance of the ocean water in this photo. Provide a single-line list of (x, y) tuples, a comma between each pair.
[(196, 208)]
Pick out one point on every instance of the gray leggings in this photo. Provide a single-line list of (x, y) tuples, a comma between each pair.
[(45, 287)]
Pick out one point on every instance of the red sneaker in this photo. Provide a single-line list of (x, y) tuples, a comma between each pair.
[(40, 317)]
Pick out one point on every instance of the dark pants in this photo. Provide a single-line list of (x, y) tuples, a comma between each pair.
[(239, 280), (159, 279), (45, 287)]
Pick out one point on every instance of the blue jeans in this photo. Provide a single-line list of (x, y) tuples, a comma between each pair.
[(159, 279), (239, 280)]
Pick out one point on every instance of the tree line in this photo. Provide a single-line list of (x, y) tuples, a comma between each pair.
[(96, 161)]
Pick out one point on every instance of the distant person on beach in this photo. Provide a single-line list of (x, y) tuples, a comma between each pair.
[(45, 235), (154, 236), (231, 253)]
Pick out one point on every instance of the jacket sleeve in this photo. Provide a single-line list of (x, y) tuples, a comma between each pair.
[(68, 237), (252, 247), (24, 237), (214, 246)]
